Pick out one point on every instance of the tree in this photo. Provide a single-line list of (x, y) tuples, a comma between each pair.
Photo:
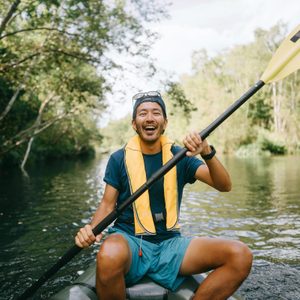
[(55, 60), (272, 114)]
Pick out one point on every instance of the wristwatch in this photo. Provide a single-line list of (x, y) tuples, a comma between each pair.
[(209, 155)]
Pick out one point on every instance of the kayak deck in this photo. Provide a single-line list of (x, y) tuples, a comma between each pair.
[(84, 289)]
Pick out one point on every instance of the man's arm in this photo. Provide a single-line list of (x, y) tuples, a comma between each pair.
[(85, 237), (213, 173)]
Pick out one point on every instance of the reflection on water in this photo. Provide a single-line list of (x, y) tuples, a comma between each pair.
[(39, 216), (263, 209)]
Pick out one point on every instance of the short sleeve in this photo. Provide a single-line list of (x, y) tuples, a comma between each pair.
[(112, 173), (192, 164), (187, 167)]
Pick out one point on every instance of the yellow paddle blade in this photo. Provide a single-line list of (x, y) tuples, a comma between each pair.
[(286, 59)]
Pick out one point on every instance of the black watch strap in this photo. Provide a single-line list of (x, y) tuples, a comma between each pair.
[(211, 154)]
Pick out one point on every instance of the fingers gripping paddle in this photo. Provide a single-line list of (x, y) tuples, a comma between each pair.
[(285, 61)]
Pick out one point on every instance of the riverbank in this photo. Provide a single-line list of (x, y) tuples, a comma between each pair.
[(269, 281)]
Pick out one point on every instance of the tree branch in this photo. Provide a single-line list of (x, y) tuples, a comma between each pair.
[(37, 124), (78, 55), (5, 67), (16, 94), (10, 103), (27, 133), (11, 11), (38, 28)]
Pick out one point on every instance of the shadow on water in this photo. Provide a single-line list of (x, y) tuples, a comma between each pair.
[(39, 216)]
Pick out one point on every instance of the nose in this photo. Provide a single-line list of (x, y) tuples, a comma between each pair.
[(149, 117)]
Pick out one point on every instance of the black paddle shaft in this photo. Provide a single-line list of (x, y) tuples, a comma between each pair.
[(157, 175)]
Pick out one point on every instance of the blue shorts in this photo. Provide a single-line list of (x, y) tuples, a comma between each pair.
[(161, 262)]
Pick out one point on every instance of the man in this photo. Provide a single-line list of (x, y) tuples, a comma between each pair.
[(145, 239)]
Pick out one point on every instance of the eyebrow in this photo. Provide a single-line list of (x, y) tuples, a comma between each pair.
[(151, 109)]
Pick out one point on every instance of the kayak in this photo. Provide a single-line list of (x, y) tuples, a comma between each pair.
[(84, 289)]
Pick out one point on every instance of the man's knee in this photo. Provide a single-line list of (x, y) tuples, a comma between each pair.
[(241, 258), (113, 258)]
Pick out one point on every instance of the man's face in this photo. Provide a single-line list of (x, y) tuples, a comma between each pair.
[(149, 122)]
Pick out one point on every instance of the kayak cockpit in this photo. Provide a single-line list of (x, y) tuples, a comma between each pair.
[(84, 289)]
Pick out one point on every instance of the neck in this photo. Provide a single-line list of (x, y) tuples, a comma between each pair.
[(150, 147)]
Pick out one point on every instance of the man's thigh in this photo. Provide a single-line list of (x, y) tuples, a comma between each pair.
[(205, 254), (139, 265)]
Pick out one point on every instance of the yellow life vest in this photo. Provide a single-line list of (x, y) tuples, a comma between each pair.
[(135, 167)]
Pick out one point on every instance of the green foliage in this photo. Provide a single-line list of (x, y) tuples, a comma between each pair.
[(263, 143), (268, 124), (22, 113), (260, 112), (177, 98), (218, 81), (69, 138), (116, 134), (273, 147), (54, 69), (251, 150)]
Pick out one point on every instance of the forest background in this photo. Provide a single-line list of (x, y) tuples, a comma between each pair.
[(56, 70)]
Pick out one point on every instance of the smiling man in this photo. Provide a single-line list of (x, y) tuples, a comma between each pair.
[(145, 239)]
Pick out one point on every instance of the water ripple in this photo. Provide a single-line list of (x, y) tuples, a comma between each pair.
[(40, 216)]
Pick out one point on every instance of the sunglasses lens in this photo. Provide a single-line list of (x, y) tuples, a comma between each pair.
[(147, 94), (138, 96), (153, 94)]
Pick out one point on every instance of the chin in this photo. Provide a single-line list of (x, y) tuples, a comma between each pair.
[(149, 139)]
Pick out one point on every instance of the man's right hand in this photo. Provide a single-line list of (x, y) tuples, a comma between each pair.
[(85, 237)]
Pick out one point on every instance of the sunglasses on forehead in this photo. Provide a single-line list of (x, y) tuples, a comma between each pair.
[(139, 96)]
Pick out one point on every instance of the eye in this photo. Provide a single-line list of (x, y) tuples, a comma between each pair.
[(142, 114)]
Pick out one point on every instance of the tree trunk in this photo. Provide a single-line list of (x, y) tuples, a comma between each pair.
[(37, 123), (17, 92), (27, 153), (10, 103), (293, 92), (276, 108), (34, 130)]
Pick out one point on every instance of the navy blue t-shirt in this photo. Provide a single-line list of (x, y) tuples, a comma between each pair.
[(116, 176)]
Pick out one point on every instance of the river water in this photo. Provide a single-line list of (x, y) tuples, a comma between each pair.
[(40, 213)]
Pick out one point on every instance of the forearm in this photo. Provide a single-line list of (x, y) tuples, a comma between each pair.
[(103, 211), (213, 172), (85, 235), (220, 178)]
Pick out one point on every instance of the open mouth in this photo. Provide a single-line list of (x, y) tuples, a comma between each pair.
[(149, 128)]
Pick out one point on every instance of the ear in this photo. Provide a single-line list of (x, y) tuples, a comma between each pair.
[(165, 124), (133, 124)]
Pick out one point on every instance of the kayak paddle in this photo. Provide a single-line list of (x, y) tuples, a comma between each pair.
[(285, 61)]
